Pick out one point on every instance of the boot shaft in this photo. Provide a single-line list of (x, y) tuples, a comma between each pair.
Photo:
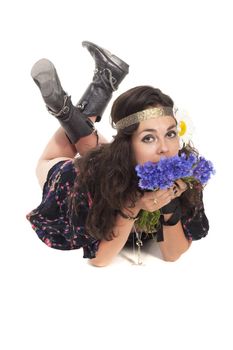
[(94, 101), (74, 123)]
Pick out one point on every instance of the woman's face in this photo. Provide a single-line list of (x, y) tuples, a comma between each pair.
[(155, 138)]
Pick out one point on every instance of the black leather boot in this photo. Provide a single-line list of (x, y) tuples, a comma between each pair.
[(59, 103), (109, 72)]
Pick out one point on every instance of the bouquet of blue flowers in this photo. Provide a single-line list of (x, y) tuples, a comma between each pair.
[(191, 169)]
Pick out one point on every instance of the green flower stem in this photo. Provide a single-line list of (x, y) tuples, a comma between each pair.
[(147, 221)]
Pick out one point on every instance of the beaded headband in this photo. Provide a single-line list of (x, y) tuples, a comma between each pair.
[(146, 114)]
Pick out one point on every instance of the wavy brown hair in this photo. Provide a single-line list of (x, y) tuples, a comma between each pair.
[(108, 171)]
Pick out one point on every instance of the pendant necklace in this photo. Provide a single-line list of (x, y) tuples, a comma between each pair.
[(139, 244)]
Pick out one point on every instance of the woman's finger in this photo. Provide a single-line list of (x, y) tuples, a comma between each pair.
[(181, 184)]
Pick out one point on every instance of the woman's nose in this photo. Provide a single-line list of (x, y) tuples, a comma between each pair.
[(162, 146)]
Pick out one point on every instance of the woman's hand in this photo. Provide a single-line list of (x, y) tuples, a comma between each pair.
[(179, 187), (154, 200), (151, 201)]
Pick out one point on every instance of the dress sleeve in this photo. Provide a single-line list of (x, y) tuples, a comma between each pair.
[(194, 221), (195, 224)]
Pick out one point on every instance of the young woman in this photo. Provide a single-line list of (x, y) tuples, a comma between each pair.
[(93, 201)]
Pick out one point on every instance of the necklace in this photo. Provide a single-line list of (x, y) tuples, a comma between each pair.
[(139, 244)]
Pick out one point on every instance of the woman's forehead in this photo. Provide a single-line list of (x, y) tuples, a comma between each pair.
[(158, 123)]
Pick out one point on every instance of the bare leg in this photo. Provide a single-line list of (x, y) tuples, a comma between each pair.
[(59, 148)]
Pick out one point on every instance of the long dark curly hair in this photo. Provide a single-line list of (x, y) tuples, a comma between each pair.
[(108, 171)]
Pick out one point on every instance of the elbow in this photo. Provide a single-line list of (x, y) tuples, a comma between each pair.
[(172, 257), (98, 263)]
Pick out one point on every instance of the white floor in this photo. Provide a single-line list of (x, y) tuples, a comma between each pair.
[(55, 300)]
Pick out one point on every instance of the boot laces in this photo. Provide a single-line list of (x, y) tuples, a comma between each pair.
[(112, 80)]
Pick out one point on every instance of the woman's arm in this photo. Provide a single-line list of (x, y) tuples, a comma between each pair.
[(174, 241), (174, 244), (193, 225), (109, 249)]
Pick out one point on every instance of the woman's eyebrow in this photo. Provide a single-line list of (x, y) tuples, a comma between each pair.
[(154, 130), (172, 127)]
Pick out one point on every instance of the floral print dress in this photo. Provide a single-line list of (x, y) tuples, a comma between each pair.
[(58, 228), (52, 219)]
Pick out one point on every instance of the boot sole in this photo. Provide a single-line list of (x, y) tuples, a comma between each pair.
[(112, 58), (43, 72)]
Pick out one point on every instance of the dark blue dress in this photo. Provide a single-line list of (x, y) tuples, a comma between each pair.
[(52, 220), (57, 227)]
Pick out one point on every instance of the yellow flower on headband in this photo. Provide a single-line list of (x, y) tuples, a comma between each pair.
[(185, 125), (182, 128)]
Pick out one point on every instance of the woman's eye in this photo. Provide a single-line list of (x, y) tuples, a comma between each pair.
[(172, 134), (148, 138)]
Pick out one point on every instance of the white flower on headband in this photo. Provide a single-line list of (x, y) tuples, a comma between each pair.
[(185, 125)]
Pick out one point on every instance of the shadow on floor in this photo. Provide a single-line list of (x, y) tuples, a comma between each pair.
[(150, 247)]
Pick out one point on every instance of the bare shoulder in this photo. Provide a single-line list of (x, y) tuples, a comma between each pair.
[(43, 167)]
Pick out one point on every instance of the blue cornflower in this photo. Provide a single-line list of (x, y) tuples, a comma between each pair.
[(165, 172), (203, 170)]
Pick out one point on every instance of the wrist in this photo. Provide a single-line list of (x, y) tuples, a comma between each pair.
[(170, 207), (172, 218), (128, 214), (167, 216)]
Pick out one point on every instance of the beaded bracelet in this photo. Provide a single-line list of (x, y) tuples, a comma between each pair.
[(125, 216)]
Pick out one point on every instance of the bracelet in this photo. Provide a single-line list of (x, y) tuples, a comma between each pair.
[(125, 216), (173, 219), (170, 207)]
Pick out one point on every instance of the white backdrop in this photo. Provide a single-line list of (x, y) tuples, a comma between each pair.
[(56, 300)]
